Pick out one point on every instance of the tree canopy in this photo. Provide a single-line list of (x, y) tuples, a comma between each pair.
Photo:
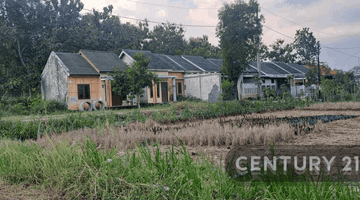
[(239, 31), (31, 29), (281, 52), (134, 78)]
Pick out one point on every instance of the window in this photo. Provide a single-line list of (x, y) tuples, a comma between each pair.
[(151, 91), (272, 80), (158, 90), (83, 91), (179, 88), (263, 80)]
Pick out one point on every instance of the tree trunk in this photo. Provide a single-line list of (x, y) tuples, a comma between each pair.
[(138, 100)]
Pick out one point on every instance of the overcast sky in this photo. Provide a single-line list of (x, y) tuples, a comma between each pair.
[(335, 23)]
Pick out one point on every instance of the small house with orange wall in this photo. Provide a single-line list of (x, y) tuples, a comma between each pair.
[(80, 80)]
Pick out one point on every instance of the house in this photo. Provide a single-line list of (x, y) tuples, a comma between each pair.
[(186, 75), (274, 74), (80, 80)]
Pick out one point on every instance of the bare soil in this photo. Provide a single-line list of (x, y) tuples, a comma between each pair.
[(25, 192)]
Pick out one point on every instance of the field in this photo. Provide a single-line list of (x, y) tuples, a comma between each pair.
[(105, 161)]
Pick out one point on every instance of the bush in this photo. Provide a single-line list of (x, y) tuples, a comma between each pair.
[(27, 106)]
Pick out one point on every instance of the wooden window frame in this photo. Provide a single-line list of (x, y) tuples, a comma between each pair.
[(177, 88), (84, 96), (158, 89)]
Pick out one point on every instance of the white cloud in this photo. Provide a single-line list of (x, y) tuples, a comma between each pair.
[(161, 13), (322, 15)]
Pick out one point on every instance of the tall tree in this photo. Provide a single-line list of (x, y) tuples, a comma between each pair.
[(306, 46), (281, 52), (201, 46), (239, 30), (166, 38)]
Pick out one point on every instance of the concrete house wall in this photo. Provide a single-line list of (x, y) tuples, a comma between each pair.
[(54, 80), (203, 85)]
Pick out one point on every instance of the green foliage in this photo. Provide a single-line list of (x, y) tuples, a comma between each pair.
[(202, 47), (332, 90), (281, 53), (312, 77), (227, 87), (166, 38), (238, 30), (134, 78), (306, 46), (188, 98)]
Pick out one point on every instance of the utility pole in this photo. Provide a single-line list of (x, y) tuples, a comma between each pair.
[(318, 59), (258, 52)]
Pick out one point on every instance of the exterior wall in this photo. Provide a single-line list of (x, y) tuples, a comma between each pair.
[(203, 85), (127, 59), (95, 90), (54, 80)]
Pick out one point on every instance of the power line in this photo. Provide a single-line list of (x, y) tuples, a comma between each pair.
[(323, 45), (185, 8), (302, 25), (186, 25), (353, 55)]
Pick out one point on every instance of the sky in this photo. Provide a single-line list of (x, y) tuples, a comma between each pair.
[(335, 23)]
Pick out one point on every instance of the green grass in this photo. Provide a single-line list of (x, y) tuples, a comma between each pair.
[(17, 129), (81, 170)]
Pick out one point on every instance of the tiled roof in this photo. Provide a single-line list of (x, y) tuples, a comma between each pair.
[(202, 63), (157, 61), (299, 67), (184, 64), (104, 61), (76, 64), (288, 68)]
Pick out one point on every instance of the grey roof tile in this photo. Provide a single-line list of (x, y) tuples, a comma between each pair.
[(105, 61), (288, 68), (76, 64), (186, 65), (203, 63), (299, 67)]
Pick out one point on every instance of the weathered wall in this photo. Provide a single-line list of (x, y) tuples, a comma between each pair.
[(201, 85), (95, 88), (54, 80)]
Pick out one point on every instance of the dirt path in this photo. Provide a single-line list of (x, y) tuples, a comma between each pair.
[(24, 192)]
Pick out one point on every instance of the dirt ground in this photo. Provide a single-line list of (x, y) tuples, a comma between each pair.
[(341, 132), (25, 192)]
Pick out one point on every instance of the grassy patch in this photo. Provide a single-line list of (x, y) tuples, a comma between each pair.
[(81, 170)]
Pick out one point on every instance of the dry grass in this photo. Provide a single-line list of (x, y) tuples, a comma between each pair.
[(335, 106), (207, 133)]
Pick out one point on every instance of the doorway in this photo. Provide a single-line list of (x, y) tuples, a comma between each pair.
[(164, 91)]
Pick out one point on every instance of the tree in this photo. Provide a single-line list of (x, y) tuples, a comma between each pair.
[(239, 31), (166, 38), (201, 46), (306, 46), (280, 52), (346, 80), (312, 77), (134, 78)]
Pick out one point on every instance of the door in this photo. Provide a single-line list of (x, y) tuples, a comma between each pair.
[(164, 91)]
